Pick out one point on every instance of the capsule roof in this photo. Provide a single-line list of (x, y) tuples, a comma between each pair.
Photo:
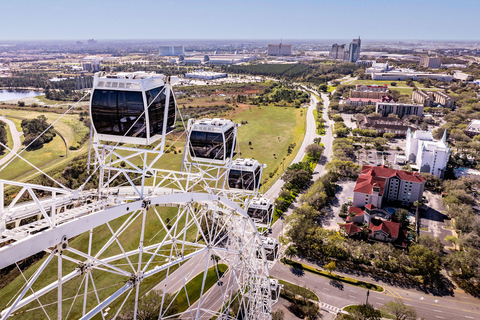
[(139, 80)]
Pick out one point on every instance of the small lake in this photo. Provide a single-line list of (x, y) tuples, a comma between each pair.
[(10, 95)]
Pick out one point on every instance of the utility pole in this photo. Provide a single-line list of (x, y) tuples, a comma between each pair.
[(368, 293)]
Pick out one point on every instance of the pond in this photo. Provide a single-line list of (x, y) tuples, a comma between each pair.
[(6, 95)]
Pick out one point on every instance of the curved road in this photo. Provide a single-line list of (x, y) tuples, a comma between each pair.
[(16, 140)]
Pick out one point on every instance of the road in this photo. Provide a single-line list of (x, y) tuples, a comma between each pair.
[(428, 306), (16, 141)]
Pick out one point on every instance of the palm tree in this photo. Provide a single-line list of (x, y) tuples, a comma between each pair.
[(417, 204)]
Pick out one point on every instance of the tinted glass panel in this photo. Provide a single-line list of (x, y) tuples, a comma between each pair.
[(130, 107), (118, 113), (208, 145), (156, 99), (258, 214), (104, 112), (229, 142), (238, 179)]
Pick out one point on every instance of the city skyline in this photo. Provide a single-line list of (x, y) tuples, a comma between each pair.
[(217, 20)]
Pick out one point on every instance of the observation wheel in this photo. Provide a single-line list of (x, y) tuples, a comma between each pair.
[(171, 244)]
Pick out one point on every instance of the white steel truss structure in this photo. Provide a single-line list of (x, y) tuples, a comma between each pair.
[(145, 232)]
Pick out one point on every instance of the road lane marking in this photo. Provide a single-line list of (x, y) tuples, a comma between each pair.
[(352, 296), (326, 289), (439, 317), (437, 310), (380, 298), (352, 291), (469, 317)]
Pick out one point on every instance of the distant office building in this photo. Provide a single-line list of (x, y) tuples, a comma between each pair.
[(354, 50), (200, 74), (378, 67), (430, 62), (364, 62), (279, 49), (338, 52), (473, 128), (462, 76), (91, 64), (171, 50), (341, 52), (399, 109), (430, 156), (91, 41), (415, 76)]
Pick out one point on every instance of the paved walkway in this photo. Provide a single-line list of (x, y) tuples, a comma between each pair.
[(16, 140)]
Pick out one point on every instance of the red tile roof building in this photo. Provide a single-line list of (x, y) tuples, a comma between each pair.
[(376, 185)]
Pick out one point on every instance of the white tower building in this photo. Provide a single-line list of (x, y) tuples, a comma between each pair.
[(430, 155)]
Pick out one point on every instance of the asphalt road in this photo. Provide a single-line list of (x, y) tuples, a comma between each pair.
[(16, 141), (428, 306)]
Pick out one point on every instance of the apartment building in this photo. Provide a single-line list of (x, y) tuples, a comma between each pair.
[(422, 97), (279, 49), (383, 125), (473, 128), (399, 109), (377, 185)]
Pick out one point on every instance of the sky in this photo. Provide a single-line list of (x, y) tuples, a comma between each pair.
[(239, 19)]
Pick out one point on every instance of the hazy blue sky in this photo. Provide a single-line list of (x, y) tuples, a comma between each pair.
[(247, 19)]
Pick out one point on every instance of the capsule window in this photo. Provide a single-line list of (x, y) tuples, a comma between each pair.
[(118, 113)]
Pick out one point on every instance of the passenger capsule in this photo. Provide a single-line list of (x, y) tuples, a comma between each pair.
[(245, 174), (131, 107), (211, 140), (260, 210), (271, 247), (272, 288)]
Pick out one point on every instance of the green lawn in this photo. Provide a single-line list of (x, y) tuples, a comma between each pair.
[(69, 127), (271, 130), (295, 288), (401, 85)]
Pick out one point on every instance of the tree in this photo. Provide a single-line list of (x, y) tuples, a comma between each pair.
[(278, 315), (32, 128), (402, 216), (323, 87), (330, 267), (291, 252), (425, 261), (431, 242), (362, 312), (389, 135), (417, 204), (3, 136), (400, 310), (315, 150), (452, 239)]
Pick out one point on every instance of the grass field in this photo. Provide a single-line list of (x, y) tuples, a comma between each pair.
[(401, 85), (271, 130), (69, 127)]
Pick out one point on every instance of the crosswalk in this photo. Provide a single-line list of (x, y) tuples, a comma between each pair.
[(330, 308)]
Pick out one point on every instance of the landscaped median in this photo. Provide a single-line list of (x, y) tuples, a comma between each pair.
[(333, 276)]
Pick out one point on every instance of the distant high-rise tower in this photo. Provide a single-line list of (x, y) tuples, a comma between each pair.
[(354, 50), (338, 52)]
